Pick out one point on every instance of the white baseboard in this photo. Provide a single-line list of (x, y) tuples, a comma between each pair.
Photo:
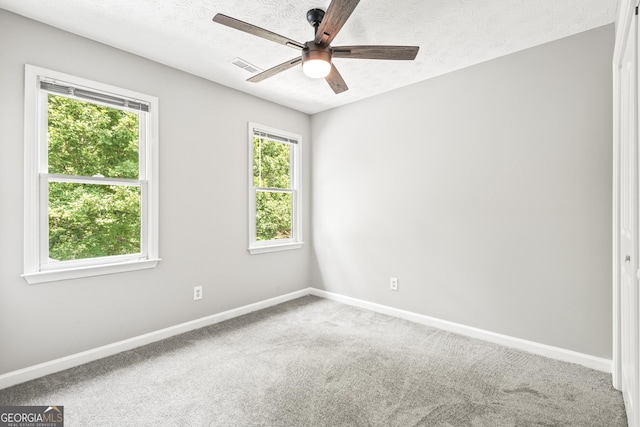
[(57, 365), (551, 352)]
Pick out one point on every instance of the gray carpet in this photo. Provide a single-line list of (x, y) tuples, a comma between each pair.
[(315, 362)]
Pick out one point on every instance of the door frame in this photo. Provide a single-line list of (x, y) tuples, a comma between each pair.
[(624, 24)]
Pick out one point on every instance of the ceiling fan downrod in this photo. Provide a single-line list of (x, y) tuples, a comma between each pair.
[(314, 17)]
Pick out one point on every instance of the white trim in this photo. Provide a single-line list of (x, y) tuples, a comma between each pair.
[(57, 365), (616, 375), (551, 352), (275, 247), (32, 153), (89, 271), (32, 372), (75, 179)]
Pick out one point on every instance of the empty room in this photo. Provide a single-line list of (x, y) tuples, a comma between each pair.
[(319, 213)]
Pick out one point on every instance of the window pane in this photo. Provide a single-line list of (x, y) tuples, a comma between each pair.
[(273, 215), (86, 139), (271, 160), (88, 221)]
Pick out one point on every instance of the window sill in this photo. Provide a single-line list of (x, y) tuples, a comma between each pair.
[(255, 250), (94, 270)]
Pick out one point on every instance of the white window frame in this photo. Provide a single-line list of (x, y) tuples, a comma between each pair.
[(37, 268), (295, 242)]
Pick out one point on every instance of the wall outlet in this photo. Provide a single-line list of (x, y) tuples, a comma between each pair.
[(197, 293), (393, 283)]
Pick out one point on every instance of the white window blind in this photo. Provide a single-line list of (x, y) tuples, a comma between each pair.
[(93, 96)]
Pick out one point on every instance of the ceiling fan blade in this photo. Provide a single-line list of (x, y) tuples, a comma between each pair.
[(376, 52), (275, 70), (336, 81), (256, 31), (337, 14)]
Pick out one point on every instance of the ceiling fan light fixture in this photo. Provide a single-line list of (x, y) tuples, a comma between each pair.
[(316, 60), (316, 68)]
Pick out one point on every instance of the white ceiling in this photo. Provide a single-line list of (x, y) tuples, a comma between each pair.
[(451, 34)]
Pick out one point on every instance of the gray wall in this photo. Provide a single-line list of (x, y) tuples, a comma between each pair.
[(486, 191), (203, 206)]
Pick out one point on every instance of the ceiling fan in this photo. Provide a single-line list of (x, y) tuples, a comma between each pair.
[(316, 54)]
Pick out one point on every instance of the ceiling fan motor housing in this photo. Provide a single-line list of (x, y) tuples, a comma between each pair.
[(315, 51)]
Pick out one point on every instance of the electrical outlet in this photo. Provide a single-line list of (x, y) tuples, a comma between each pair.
[(197, 293), (393, 283)]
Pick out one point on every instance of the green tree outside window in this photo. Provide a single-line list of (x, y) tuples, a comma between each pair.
[(91, 140), (272, 178)]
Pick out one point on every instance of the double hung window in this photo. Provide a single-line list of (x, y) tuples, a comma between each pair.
[(274, 190), (90, 178)]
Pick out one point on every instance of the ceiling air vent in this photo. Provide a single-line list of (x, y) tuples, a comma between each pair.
[(238, 62)]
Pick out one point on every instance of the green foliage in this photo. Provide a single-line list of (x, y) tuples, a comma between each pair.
[(271, 160), (273, 215), (88, 139), (95, 220), (271, 169), (92, 220), (88, 221)]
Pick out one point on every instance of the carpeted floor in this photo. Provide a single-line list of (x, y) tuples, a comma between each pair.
[(315, 362)]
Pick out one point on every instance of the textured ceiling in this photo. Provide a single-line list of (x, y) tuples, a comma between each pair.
[(451, 34)]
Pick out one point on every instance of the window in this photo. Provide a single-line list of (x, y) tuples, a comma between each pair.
[(91, 204), (274, 190)]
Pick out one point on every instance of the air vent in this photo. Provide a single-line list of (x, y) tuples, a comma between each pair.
[(238, 62)]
